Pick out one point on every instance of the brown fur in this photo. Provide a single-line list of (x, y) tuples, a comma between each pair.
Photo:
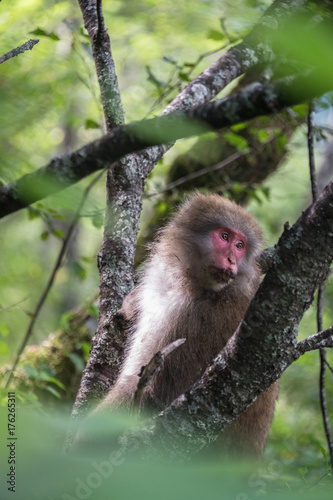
[(182, 295)]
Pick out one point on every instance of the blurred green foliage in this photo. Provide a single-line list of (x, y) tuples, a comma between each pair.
[(104, 471)]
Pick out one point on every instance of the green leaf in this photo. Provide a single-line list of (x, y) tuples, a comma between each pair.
[(237, 188), (40, 32), (78, 270), (57, 382), (91, 124), (253, 194), (266, 192), (238, 126), (44, 235), (323, 452), (303, 471), (183, 76), (262, 135), (85, 346), (215, 35), (58, 233), (301, 110), (33, 213), (53, 391), (237, 141), (281, 141)]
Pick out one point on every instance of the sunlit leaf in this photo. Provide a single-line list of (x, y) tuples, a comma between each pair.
[(236, 140), (41, 32), (215, 35), (92, 124)]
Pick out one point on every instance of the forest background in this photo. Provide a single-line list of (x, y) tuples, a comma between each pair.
[(50, 105)]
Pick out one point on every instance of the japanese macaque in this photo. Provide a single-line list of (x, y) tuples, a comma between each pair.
[(197, 284)]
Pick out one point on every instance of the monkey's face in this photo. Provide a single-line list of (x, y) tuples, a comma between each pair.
[(229, 248), (222, 257)]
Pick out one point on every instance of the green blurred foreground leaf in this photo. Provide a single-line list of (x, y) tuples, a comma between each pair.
[(101, 471)]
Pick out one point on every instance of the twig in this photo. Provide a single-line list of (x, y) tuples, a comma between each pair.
[(49, 284), (328, 365), (177, 85), (315, 194), (152, 367), (19, 50), (199, 173), (314, 342), (313, 176)]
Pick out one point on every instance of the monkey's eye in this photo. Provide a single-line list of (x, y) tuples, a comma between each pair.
[(224, 236), (240, 245)]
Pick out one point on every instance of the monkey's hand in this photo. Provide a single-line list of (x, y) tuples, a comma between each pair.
[(128, 311)]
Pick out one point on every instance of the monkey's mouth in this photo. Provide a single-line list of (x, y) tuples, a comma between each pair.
[(220, 275)]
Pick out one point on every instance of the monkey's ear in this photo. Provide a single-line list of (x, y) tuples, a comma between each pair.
[(129, 308)]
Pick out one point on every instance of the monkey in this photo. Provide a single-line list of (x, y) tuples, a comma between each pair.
[(197, 283)]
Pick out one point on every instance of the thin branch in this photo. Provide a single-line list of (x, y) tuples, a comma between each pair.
[(19, 50), (100, 43), (315, 194), (152, 367), (329, 366), (50, 282), (199, 173), (171, 87), (313, 176), (314, 342)]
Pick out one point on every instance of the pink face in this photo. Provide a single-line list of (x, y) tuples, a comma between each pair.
[(230, 247)]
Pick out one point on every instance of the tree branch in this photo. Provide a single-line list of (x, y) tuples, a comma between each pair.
[(19, 50), (255, 49), (316, 341), (64, 171), (152, 367), (254, 100), (105, 68)]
